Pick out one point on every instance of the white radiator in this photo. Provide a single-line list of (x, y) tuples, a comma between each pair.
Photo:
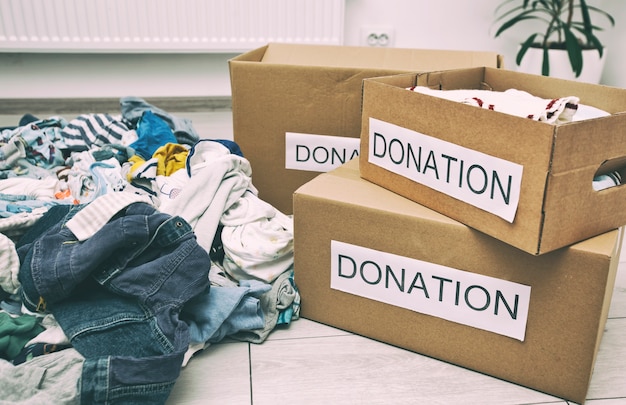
[(166, 25)]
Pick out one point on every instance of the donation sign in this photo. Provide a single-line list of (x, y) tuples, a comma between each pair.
[(487, 182), (318, 153), (484, 302)]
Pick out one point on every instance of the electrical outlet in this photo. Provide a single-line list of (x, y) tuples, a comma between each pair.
[(380, 36)]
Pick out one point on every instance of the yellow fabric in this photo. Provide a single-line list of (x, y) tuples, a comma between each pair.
[(136, 161), (170, 158)]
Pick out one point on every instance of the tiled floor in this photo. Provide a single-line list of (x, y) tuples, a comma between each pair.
[(310, 363)]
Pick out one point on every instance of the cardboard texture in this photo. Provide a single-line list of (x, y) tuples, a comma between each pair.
[(570, 288), (314, 90), (557, 203)]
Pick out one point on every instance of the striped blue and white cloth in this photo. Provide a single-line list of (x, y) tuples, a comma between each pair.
[(88, 130)]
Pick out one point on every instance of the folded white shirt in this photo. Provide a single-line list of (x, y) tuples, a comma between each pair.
[(515, 102)]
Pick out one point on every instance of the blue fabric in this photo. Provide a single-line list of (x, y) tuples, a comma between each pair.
[(11, 204), (118, 296), (233, 149), (134, 107), (223, 311), (292, 311), (152, 133), (232, 146)]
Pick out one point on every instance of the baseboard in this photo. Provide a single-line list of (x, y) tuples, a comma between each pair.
[(96, 105)]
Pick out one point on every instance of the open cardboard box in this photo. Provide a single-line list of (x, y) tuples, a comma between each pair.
[(372, 262), (533, 185), (297, 108)]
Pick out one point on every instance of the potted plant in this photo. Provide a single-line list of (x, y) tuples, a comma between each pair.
[(567, 29)]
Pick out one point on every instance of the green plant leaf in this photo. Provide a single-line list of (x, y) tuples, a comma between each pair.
[(503, 4), (545, 65), (508, 24), (567, 25), (574, 51), (544, 3), (605, 14), (584, 10), (592, 41), (524, 47)]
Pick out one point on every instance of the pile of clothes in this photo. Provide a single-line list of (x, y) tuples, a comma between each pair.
[(129, 243)]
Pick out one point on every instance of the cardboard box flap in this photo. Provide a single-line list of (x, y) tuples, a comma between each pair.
[(397, 59), (470, 78), (255, 55)]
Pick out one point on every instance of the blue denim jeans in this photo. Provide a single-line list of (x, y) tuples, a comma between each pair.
[(117, 296)]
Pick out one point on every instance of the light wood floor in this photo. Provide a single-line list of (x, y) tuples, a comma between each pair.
[(310, 363)]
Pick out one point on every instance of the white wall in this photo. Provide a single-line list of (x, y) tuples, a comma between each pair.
[(469, 25), (442, 24), (615, 69)]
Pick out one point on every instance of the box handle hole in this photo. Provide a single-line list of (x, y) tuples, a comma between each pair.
[(611, 173)]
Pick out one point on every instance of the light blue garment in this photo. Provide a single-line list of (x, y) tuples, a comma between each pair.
[(223, 311), (292, 311), (283, 298), (11, 204)]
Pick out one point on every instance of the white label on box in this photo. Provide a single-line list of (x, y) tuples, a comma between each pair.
[(487, 182), (318, 153), (483, 302)]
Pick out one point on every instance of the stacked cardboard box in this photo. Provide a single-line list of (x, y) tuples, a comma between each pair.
[(297, 108), (372, 262), (532, 182), (517, 290)]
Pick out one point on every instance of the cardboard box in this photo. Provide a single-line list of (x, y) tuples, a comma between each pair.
[(297, 108), (533, 188), (532, 181), (359, 249)]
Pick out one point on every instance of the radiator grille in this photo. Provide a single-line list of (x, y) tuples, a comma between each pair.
[(166, 25)]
